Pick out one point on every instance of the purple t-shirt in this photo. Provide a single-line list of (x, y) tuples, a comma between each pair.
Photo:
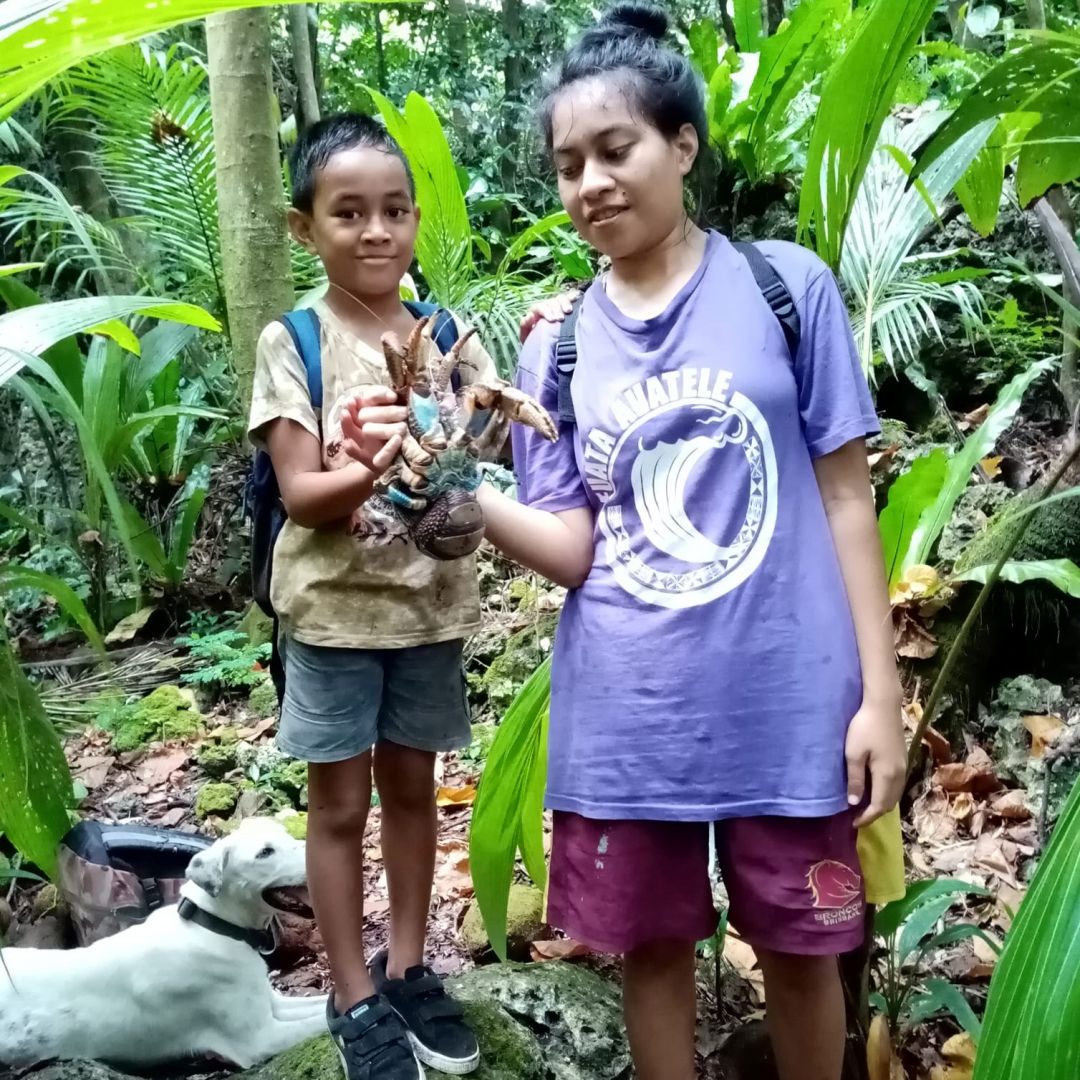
[(708, 666)]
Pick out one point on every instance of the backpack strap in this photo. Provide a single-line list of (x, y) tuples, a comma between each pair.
[(444, 335), (775, 292), (566, 358), (303, 327)]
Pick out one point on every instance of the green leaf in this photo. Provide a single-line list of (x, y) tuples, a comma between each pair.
[(847, 124), (909, 496), (20, 520), (191, 499), (64, 357), (920, 922), (506, 815), (748, 32), (1033, 1010), (1042, 79), (961, 932), (34, 329), (19, 268), (559, 219), (975, 448), (979, 190), (892, 915), (158, 348), (704, 46), (123, 335), (1062, 573), (35, 782), (937, 995), (13, 576)]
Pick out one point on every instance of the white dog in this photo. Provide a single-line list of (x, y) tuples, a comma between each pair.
[(189, 980)]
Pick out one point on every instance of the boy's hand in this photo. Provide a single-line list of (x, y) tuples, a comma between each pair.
[(372, 427), (875, 742), (554, 309)]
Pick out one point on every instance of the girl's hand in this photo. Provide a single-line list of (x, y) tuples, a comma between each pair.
[(554, 309), (372, 427), (875, 743)]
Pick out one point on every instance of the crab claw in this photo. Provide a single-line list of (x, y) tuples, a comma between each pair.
[(513, 403), (407, 364)]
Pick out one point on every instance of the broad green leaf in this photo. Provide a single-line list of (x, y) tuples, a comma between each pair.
[(961, 932), (704, 46), (20, 520), (909, 496), (64, 357), (979, 190), (892, 915), (122, 334), (444, 240), (920, 922), (975, 448), (19, 268), (505, 818), (35, 782), (1033, 1010), (1063, 573), (192, 499), (1043, 79), (938, 995), (559, 219), (146, 542), (748, 30), (13, 576), (158, 348), (847, 123), (41, 38), (35, 329)]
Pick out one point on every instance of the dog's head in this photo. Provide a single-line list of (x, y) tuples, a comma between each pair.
[(259, 865)]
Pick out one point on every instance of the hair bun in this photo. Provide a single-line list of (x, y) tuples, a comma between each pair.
[(645, 20)]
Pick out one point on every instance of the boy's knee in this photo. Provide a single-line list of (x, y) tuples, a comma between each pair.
[(347, 818), (798, 970)]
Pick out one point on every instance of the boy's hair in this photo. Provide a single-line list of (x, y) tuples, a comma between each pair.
[(627, 43), (330, 136)]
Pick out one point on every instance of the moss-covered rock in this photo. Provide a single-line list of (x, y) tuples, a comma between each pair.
[(166, 713), (258, 626), (524, 921), (262, 700), (217, 799), (520, 657), (217, 753), (295, 824)]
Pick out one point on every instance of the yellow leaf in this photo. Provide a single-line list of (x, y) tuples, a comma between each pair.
[(881, 1062), (462, 796), (122, 334), (991, 466), (1044, 730)]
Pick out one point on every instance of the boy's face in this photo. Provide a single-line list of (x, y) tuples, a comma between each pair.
[(363, 222)]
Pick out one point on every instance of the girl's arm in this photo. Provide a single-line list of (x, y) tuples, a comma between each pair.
[(557, 545), (314, 497), (875, 739)]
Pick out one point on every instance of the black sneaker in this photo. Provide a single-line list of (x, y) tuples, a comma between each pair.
[(437, 1029), (372, 1041)]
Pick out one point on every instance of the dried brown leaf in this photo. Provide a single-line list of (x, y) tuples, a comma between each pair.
[(562, 949), (1012, 805), (159, 765), (92, 770), (460, 796)]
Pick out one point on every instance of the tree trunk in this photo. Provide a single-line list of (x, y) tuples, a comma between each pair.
[(728, 24), (772, 15), (512, 79), (1036, 12), (251, 198), (457, 40), (307, 94), (380, 52)]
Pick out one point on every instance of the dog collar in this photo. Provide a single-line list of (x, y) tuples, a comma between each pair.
[(262, 941)]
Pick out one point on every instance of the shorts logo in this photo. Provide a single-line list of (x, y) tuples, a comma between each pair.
[(837, 889)]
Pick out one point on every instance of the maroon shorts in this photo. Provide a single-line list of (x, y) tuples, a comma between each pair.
[(793, 884)]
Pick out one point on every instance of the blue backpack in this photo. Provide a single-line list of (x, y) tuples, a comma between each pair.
[(263, 496)]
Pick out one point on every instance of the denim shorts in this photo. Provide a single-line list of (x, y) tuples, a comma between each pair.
[(339, 702)]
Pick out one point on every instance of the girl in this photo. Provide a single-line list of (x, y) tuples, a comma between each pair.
[(725, 657)]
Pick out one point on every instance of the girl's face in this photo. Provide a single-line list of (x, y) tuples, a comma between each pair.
[(363, 222), (620, 179)]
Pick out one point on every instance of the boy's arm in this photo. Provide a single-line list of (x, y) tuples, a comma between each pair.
[(314, 497)]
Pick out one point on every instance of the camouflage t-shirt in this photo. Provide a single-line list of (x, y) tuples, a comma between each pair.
[(336, 585)]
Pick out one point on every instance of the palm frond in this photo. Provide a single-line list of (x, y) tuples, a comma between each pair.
[(150, 118), (892, 306)]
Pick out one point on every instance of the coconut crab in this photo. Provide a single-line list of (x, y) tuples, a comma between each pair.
[(428, 494)]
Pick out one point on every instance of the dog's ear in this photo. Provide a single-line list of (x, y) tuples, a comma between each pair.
[(207, 869)]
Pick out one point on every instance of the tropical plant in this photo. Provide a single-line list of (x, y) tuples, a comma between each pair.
[(908, 929), (1033, 1010), (149, 118), (509, 809), (921, 502), (847, 124)]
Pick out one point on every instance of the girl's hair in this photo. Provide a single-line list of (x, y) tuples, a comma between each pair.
[(330, 136), (627, 43)]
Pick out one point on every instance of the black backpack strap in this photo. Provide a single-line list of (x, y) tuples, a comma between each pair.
[(566, 359), (775, 292)]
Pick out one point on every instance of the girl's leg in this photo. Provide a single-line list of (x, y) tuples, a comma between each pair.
[(659, 1000), (805, 1014), (339, 796)]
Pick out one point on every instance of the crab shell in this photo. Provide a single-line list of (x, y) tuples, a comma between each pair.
[(451, 527)]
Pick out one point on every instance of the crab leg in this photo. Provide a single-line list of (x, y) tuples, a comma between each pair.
[(407, 364), (514, 404), (442, 367)]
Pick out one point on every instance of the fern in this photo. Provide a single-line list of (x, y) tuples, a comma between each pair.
[(225, 660)]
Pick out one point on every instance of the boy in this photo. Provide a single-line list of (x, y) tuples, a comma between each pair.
[(372, 631)]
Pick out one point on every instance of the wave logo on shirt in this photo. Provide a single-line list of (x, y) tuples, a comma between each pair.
[(685, 457)]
